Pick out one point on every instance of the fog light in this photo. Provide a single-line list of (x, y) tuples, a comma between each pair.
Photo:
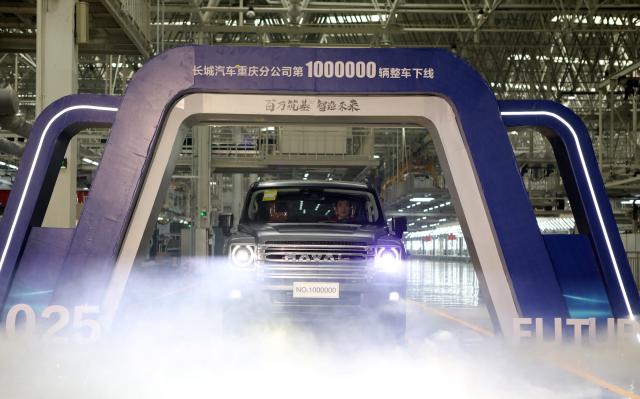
[(235, 294), (394, 296)]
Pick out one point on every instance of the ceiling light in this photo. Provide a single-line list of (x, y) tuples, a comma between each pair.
[(421, 199), (90, 161)]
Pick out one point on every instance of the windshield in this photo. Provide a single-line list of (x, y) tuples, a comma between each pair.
[(312, 205)]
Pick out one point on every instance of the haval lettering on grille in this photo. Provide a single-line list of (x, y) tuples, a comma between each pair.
[(313, 258)]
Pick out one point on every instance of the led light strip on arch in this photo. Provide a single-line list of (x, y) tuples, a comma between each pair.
[(591, 192), (25, 192)]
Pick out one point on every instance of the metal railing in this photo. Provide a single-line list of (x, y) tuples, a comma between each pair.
[(270, 145), (406, 182), (319, 146), (138, 11)]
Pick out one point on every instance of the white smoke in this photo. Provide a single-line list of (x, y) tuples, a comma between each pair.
[(171, 345)]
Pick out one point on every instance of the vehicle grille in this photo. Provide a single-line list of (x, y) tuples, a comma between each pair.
[(286, 298), (323, 243), (315, 260)]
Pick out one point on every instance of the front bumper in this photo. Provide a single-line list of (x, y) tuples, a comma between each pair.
[(248, 295)]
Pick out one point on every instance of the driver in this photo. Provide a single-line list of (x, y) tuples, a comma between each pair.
[(341, 212)]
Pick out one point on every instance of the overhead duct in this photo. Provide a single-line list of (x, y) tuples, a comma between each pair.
[(10, 119), (206, 16), (8, 101), (8, 147), (294, 11)]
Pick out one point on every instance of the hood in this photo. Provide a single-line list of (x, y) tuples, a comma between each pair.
[(314, 232)]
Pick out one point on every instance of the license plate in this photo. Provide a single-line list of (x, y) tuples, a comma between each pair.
[(304, 289)]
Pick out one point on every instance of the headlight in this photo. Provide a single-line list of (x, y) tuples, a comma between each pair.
[(242, 255), (388, 259)]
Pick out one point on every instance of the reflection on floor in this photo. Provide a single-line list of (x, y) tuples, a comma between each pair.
[(442, 283), (445, 288)]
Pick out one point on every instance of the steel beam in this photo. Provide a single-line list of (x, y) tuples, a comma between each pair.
[(131, 30)]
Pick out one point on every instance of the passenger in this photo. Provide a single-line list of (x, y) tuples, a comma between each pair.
[(341, 212), (277, 213)]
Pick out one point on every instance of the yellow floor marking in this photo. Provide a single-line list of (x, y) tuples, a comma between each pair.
[(599, 381), (573, 370), (446, 315)]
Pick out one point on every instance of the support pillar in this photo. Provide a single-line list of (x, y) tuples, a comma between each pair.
[(238, 189), (634, 122), (56, 76), (202, 140), (612, 135), (237, 196), (600, 130)]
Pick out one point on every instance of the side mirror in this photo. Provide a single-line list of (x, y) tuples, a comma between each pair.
[(225, 222), (399, 225)]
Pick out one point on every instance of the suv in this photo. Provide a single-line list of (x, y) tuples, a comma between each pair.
[(316, 249)]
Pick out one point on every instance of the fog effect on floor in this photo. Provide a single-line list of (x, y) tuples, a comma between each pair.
[(275, 362), (172, 345)]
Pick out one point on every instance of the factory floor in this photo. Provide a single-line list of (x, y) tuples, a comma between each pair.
[(449, 349)]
